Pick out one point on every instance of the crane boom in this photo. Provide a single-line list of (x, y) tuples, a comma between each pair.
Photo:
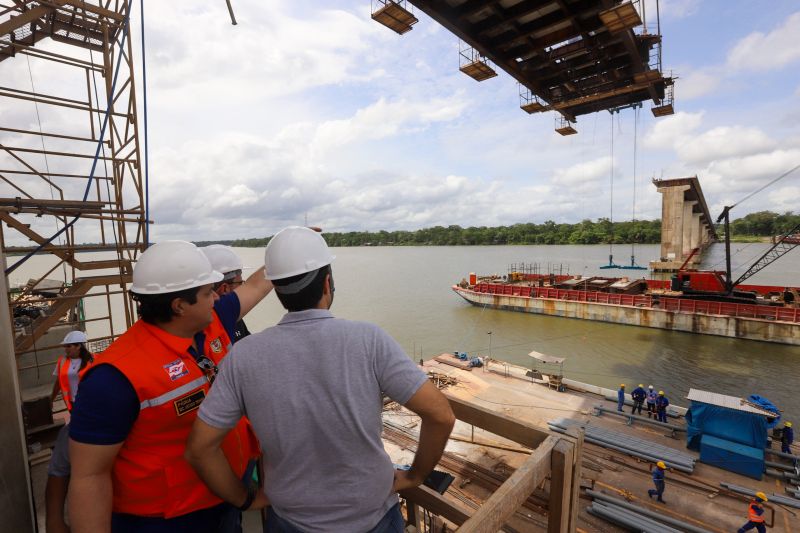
[(785, 244)]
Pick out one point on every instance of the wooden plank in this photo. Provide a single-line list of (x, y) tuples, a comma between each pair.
[(561, 481), (578, 434), (434, 502), (497, 423), (491, 516), (414, 515)]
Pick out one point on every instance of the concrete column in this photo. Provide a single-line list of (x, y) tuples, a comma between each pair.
[(672, 221), (16, 503), (686, 239), (697, 231)]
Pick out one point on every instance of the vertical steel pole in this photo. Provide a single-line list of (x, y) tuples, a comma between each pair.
[(16, 505)]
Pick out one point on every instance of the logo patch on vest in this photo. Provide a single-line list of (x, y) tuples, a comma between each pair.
[(189, 402), (176, 369), (216, 345)]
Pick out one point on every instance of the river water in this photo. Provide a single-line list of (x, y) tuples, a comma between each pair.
[(406, 290)]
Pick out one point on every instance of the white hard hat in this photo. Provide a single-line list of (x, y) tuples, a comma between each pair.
[(296, 250), (75, 337), (223, 259), (172, 266)]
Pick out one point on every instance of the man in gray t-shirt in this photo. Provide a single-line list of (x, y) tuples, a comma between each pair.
[(312, 388)]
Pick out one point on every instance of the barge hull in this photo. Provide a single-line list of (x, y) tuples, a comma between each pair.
[(720, 325)]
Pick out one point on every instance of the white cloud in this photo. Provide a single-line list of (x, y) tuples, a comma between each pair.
[(582, 173), (697, 83), (672, 130), (723, 142), (776, 49)]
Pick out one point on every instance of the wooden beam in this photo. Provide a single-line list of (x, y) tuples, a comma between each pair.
[(561, 479), (28, 16), (578, 435), (434, 502), (497, 423), (506, 500)]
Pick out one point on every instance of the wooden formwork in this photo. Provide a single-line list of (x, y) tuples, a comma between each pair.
[(555, 457)]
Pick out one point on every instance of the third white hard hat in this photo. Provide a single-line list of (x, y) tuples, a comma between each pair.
[(172, 266), (296, 250), (223, 259), (74, 337)]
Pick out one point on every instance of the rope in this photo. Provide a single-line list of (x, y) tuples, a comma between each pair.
[(126, 25)]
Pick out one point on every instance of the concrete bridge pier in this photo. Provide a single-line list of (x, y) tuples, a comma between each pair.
[(686, 224)]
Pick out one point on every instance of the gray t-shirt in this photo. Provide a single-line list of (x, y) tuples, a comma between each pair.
[(311, 386)]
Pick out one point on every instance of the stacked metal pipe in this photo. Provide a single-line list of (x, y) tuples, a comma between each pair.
[(628, 515), (641, 448), (775, 498)]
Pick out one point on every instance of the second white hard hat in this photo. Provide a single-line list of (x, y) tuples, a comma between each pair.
[(172, 266), (296, 250), (75, 337), (223, 259)]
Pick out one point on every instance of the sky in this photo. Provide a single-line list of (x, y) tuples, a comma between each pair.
[(311, 111)]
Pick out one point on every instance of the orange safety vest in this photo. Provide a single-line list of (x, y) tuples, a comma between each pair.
[(150, 475), (752, 515), (63, 379)]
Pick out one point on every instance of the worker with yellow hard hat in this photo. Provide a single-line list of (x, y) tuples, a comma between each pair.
[(661, 407), (787, 437), (620, 397), (658, 481), (755, 514)]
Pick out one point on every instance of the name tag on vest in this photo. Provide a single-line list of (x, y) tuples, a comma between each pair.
[(189, 403)]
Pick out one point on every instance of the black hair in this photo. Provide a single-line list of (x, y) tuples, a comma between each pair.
[(157, 308), (308, 297), (86, 356)]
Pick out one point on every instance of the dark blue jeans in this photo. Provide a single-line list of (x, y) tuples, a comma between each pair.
[(222, 518), (659, 490), (750, 525), (392, 522)]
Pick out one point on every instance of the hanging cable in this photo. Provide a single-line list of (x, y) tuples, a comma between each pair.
[(146, 152), (105, 162), (44, 151), (765, 186), (633, 214)]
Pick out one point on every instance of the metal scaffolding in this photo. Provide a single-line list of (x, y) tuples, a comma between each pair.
[(72, 192)]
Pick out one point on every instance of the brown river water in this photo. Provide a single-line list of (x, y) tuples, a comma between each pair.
[(406, 290)]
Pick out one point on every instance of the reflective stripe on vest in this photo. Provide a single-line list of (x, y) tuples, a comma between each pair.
[(753, 515), (173, 394)]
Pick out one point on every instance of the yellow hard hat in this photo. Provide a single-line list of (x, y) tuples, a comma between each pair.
[(621, 385), (642, 386), (787, 424), (661, 465), (661, 393), (761, 496)]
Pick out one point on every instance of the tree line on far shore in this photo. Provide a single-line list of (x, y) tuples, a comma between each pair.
[(755, 225)]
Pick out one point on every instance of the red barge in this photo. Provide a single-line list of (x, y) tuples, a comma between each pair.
[(693, 301)]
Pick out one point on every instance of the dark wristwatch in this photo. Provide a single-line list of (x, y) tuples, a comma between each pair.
[(251, 495)]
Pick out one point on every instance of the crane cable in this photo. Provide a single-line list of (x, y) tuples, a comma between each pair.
[(765, 186)]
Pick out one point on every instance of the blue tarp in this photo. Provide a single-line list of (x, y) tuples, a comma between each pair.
[(749, 429), (769, 406), (732, 456)]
